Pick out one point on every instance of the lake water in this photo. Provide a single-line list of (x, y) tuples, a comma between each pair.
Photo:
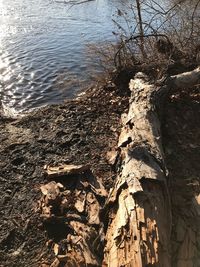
[(44, 44), (43, 56)]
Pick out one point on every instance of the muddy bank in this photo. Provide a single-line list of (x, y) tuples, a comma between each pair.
[(82, 131)]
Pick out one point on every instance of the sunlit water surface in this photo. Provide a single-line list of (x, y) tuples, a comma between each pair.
[(43, 56)]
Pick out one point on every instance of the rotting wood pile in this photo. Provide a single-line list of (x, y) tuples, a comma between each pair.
[(74, 206)]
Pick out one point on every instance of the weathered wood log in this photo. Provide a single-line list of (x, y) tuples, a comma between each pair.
[(139, 211), (184, 80), (138, 232)]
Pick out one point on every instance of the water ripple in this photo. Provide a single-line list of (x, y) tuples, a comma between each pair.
[(42, 49)]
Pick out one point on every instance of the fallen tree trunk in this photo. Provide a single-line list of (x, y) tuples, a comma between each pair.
[(138, 207)]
